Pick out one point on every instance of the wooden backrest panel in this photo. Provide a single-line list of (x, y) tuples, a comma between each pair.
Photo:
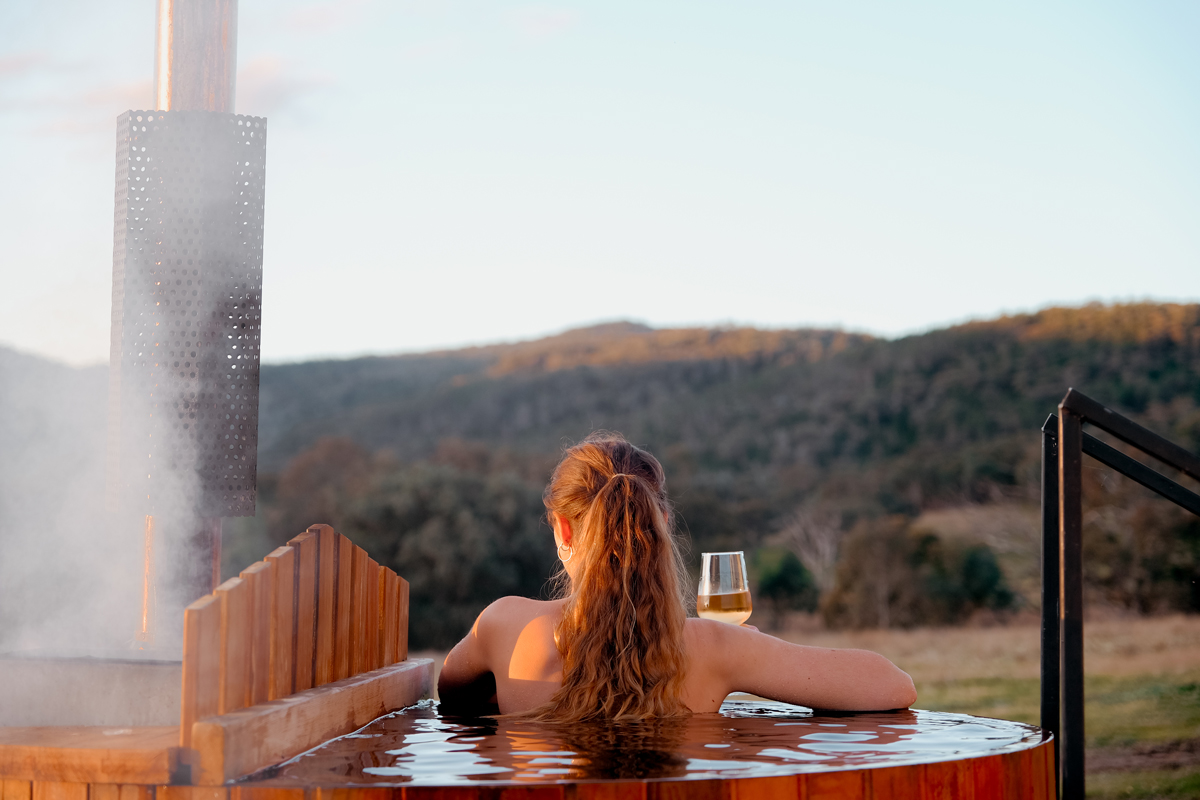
[(237, 630), (315, 611), (283, 623), (201, 664), (261, 578), (306, 609)]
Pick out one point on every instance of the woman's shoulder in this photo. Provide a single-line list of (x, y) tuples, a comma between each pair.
[(514, 609)]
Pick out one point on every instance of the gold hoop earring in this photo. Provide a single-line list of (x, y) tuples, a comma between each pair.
[(570, 553)]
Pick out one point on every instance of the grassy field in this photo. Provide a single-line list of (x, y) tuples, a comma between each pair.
[(1142, 689)]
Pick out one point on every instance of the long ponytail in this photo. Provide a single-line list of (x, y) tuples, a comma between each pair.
[(621, 633)]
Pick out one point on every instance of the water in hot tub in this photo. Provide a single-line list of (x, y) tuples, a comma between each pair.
[(747, 738)]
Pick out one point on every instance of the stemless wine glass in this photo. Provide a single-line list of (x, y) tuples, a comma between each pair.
[(724, 594)]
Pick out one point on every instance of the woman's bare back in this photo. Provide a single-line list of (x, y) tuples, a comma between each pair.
[(513, 642)]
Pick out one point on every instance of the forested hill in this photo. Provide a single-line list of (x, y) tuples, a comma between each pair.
[(915, 460), (760, 420)]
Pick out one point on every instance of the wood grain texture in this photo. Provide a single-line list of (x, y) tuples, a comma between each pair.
[(848, 785), (402, 619), (251, 792), (236, 621), (343, 610), (59, 790), (130, 791), (611, 791), (282, 646), (260, 577), (688, 790), (237, 744), (89, 754), (781, 788), (305, 546), (357, 621), (327, 574), (895, 783), (388, 617), (200, 696), (191, 793), (370, 623), (16, 790)]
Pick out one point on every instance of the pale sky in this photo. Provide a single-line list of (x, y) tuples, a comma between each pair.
[(443, 172)]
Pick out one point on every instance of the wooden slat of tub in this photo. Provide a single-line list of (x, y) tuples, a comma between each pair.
[(358, 793), (59, 790), (895, 783), (305, 546), (283, 623), (357, 635), (343, 612), (266, 793), (687, 790), (613, 791), (834, 786), (191, 793), (948, 780), (16, 790), (200, 692), (260, 578), (388, 616), (987, 773), (402, 619), (781, 788), (130, 791), (102, 791), (234, 745), (370, 618), (327, 575), (236, 627)]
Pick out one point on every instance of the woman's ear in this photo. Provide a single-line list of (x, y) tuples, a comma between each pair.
[(562, 526)]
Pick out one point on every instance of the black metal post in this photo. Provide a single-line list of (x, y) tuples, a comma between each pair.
[(1051, 652), (1070, 531)]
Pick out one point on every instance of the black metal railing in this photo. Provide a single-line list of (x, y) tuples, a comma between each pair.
[(1063, 446)]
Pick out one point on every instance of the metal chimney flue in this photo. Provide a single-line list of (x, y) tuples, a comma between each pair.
[(187, 294), (195, 55)]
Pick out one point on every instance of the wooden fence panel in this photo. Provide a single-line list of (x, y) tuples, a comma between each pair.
[(306, 608), (370, 621), (283, 623), (402, 619), (327, 574), (261, 579), (236, 628), (357, 628), (201, 688), (344, 608)]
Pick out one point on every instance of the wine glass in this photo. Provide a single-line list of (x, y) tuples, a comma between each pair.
[(724, 594)]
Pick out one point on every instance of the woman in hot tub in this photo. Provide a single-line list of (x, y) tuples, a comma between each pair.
[(619, 645)]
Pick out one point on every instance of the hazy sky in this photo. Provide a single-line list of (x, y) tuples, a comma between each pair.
[(445, 172)]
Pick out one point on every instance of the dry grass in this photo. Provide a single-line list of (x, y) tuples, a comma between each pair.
[(1114, 646)]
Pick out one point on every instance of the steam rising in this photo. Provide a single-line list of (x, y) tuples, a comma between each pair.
[(71, 571)]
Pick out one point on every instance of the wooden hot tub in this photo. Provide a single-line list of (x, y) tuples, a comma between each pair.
[(753, 748)]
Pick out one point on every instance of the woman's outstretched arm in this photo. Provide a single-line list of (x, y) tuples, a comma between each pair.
[(746, 660), (466, 684)]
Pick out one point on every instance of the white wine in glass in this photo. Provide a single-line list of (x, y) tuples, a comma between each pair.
[(724, 594)]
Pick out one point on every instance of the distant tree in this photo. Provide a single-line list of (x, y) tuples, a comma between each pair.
[(783, 585)]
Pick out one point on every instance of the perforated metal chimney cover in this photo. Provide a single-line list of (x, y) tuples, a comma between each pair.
[(187, 298)]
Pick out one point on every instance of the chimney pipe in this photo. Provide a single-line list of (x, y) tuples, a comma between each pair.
[(195, 55)]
